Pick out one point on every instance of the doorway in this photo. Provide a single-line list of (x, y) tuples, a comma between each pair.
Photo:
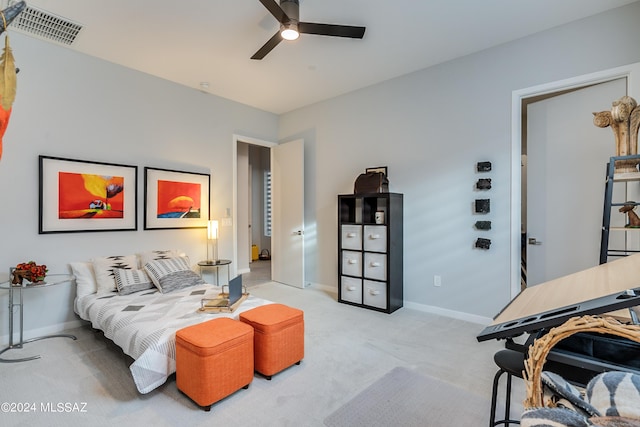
[(519, 127), (254, 212), (287, 218), (563, 179)]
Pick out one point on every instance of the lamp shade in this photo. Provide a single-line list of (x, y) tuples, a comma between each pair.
[(212, 230), (212, 240)]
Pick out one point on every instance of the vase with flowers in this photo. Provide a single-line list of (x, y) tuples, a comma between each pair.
[(30, 271)]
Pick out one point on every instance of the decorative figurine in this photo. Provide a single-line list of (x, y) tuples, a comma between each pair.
[(624, 120), (634, 220)]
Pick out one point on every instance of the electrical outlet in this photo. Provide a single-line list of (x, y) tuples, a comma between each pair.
[(437, 280)]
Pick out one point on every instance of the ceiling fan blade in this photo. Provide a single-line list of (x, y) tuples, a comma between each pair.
[(275, 10), (331, 30), (268, 46)]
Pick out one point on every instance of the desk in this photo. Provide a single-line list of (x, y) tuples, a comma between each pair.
[(596, 282), (215, 264), (51, 280), (600, 290)]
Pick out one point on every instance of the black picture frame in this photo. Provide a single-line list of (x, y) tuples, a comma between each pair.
[(156, 182), (86, 196)]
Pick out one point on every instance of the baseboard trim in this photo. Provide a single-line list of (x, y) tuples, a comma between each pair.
[(320, 286), (468, 317), (49, 330)]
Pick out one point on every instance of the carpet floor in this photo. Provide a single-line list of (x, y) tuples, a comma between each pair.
[(347, 349), (403, 397)]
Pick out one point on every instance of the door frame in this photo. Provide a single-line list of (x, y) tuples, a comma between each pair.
[(234, 153), (517, 97)]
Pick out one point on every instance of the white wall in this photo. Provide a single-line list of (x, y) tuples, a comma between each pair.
[(430, 128), (75, 106)]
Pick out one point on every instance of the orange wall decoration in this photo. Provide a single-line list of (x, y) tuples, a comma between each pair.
[(90, 196), (175, 198)]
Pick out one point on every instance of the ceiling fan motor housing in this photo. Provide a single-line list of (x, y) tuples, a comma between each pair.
[(292, 9)]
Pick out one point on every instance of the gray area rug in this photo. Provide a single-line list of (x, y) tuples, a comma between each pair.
[(403, 397)]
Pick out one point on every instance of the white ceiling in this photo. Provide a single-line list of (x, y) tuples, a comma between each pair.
[(194, 41)]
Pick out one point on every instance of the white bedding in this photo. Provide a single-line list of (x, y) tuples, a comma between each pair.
[(144, 325)]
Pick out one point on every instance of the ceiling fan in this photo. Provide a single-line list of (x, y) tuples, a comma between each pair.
[(287, 13)]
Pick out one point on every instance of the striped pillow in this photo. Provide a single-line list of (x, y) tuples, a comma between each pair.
[(130, 281), (103, 268), (172, 274), (145, 257)]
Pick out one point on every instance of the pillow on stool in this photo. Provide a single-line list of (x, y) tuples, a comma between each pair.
[(556, 417), (564, 394), (615, 394)]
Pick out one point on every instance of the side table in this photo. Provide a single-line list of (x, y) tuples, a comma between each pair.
[(215, 264), (51, 280)]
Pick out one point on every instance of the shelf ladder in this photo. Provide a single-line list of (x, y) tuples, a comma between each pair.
[(611, 178)]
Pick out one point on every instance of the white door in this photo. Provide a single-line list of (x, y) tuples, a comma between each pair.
[(242, 233), (566, 160), (287, 199)]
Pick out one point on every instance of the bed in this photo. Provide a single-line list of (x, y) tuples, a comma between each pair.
[(143, 323)]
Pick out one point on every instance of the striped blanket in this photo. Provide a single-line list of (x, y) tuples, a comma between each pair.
[(144, 325)]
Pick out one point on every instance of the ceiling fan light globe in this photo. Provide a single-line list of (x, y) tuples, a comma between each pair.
[(289, 32)]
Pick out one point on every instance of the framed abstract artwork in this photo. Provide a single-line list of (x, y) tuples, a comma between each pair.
[(175, 199), (83, 196)]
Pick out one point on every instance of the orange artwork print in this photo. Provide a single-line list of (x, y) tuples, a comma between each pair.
[(90, 196), (178, 199)]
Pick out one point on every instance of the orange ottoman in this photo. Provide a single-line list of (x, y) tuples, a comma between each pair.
[(213, 360), (278, 340)]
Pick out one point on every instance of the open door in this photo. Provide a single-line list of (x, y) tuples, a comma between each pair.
[(287, 201), (566, 162)]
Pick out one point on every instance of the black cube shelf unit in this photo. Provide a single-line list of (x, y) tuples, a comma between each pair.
[(370, 272)]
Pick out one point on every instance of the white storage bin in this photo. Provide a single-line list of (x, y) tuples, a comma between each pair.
[(375, 266), (351, 290), (375, 238), (352, 237), (352, 263), (374, 294)]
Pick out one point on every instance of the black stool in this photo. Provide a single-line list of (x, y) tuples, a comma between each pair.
[(510, 362)]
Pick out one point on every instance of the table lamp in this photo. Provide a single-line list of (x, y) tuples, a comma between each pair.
[(212, 240)]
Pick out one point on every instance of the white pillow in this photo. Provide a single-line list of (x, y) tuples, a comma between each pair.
[(103, 269), (172, 274), (145, 257), (85, 279), (130, 281)]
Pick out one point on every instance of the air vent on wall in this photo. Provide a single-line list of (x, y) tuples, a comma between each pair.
[(46, 25)]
